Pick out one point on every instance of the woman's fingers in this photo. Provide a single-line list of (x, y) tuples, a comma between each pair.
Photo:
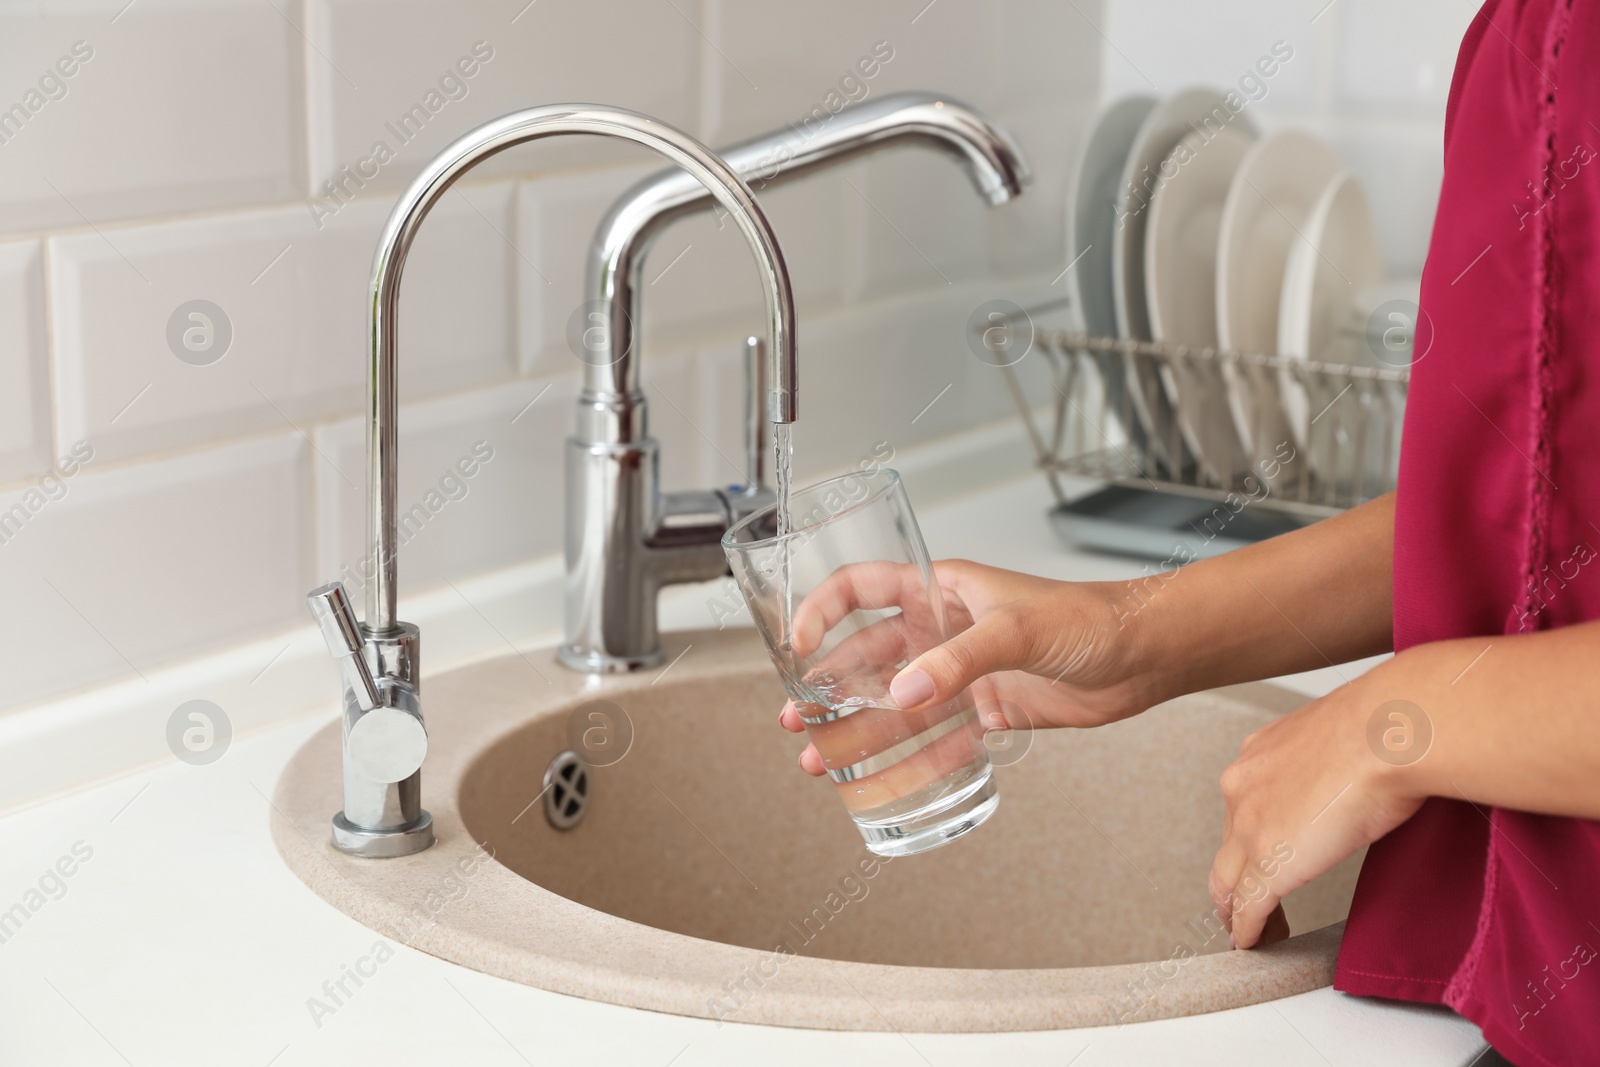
[(1254, 903), (811, 762), (1224, 878), (997, 642), (869, 655), (855, 585), (789, 718), (1246, 899)]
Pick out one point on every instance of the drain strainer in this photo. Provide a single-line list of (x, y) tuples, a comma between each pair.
[(566, 791)]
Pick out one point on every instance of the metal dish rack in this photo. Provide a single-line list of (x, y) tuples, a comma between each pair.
[(1207, 488)]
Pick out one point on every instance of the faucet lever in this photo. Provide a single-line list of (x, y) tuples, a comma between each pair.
[(384, 743), (331, 608)]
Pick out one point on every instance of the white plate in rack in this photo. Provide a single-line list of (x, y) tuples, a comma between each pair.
[(1193, 110), (1091, 225), (1180, 269), (1334, 260), (1268, 205)]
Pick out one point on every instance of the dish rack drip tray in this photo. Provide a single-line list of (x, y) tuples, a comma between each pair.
[(1200, 450), (1169, 527)]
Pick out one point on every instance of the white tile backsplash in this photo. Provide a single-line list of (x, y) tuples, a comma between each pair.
[(1028, 235), (771, 63), (24, 367), (1371, 76), (1163, 46), (108, 571), (1048, 59), (1399, 56), (170, 106), (921, 223), (293, 296), (699, 277), (1046, 54), (898, 371), (556, 217), (715, 287), (377, 62), (480, 484)]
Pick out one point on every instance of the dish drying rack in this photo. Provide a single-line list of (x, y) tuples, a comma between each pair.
[(1163, 493)]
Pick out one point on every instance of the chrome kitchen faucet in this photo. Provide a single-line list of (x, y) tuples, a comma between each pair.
[(625, 539), (384, 738)]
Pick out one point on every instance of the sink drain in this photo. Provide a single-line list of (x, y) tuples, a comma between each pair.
[(566, 791)]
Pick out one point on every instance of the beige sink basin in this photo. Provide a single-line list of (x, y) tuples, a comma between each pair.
[(708, 876)]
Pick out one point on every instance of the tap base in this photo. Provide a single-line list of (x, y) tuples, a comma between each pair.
[(370, 844), (589, 661)]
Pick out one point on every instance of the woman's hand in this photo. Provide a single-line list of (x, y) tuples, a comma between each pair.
[(1033, 651), (1448, 719), (1306, 791)]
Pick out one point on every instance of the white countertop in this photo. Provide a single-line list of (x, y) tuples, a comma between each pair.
[(183, 939)]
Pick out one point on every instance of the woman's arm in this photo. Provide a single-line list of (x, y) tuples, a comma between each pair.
[(1310, 598), (1515, 720), (1511, 721), (1316, 597), (1037, 652)]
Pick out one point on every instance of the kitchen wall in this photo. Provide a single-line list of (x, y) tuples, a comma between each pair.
[(170, 486), (1370, 76)]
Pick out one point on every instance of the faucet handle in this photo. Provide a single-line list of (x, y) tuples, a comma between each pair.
[(755, 384), (331, 608), (388, 744)]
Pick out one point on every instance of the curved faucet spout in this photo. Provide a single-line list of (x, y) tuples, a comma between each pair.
[(623, 238), (704, 169), (626, 539)]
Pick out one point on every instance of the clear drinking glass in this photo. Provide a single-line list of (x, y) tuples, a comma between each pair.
[(844, 601)]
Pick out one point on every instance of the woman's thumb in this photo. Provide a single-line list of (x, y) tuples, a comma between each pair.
[(992, 644)]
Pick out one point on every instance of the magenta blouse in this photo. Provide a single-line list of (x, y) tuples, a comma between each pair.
[(1497, 913)]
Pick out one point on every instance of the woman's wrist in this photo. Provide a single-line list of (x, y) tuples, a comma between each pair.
[(1139, 646), (1385, 706), (1430, 699)]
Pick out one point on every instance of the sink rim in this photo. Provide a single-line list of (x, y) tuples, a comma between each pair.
[(514, 928)]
